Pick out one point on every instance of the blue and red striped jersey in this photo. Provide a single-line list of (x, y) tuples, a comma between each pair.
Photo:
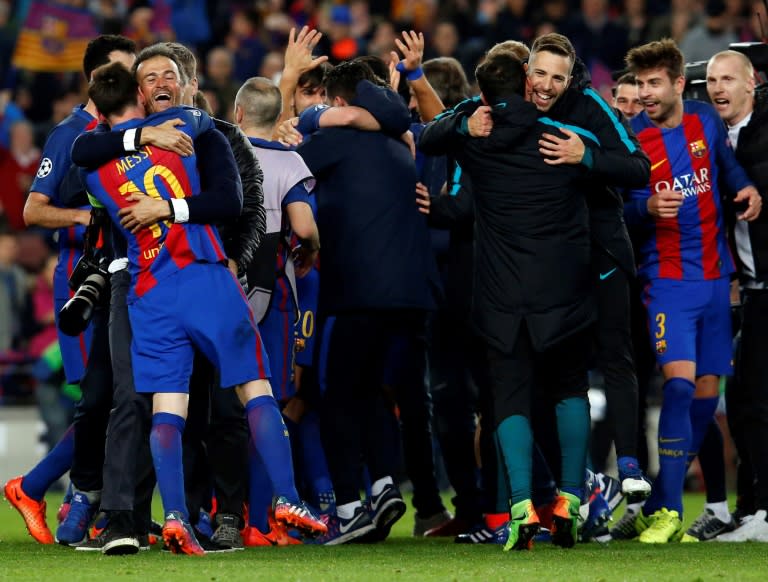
[(157, 252), (692, 158), (54, 166)]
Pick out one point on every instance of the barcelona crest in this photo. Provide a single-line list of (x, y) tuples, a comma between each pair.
[(661, 346), (698, 148)]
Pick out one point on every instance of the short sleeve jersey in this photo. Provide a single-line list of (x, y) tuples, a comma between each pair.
[(164, 248), (691, 158), (54, 166)]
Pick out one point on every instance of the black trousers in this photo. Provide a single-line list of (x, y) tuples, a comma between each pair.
[(455, 359), (357, 350), (747, 395), (128, 470), (614, 355), (92, 411), (215, 444), (524, 378)]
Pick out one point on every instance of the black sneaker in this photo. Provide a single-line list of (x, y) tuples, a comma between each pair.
[(115, 539), (341, 531), (144, 544), (227, 533), (386, 508), (707, 527)]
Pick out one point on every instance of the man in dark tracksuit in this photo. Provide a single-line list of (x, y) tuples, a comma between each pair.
[(531, 298), (618, 162), (378, 276)]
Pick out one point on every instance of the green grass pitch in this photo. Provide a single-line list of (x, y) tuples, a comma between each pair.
[(401, 557)]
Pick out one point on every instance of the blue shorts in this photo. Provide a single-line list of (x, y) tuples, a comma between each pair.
[(74, 350), (203, 307), (277, 332), (691, 321), (308, 288)]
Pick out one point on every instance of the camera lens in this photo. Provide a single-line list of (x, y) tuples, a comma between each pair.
[(77, 312)]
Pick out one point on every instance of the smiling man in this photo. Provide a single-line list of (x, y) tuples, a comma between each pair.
[(685, 266)]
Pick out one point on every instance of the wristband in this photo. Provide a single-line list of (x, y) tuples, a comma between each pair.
[(173, 212), (413, 75), (137, 139), (129, 140)]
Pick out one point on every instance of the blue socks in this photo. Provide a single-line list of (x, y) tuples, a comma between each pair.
[(702, 416), (674, 442), (165, 444), (270, 438), (57, 462), (259, 492), (515, 440), (313, 463), (573, 429)]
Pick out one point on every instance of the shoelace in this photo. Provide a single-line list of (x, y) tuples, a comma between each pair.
[(626, 524), (706, 523), (78, 515)]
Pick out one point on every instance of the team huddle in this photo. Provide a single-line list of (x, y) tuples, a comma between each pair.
[(262, 382)]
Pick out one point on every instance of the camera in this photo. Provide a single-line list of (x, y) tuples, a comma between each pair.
[(89, 278)]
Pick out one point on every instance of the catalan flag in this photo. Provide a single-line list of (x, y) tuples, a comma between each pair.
[(53, 38)]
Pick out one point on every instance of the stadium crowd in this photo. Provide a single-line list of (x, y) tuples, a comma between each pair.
[(263, 256)]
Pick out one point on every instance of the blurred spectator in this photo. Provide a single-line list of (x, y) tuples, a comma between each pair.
[(149, 21), (272, 66), (362, 24), (444, 41), (512, 23), (755, 27), (110, 14), (8, 31), (636, 22), (343, 46), (13, 293), (413, 14), (63, 102), (551, 17), (711, 36), (683, 15), (188, 19), (244, 43), (55, 398), (383, 40), (18, 165), (219, 66), (10, 113), (42, 310), (600, 42)]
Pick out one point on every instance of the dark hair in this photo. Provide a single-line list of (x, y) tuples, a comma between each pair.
[(112, 89), (314, 78), (378, 66), (626, 79), (186, 60), (98, 50), (201, 102), (342, 80), (160, 49), (659, 54), (447, 77), (554, 43), (500, 75)]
